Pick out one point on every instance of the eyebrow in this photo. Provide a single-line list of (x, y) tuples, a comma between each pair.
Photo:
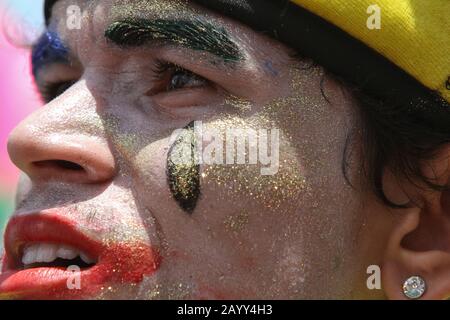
[(195, 35), (48, 49)]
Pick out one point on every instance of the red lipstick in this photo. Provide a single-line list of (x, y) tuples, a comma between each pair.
[(115, 262)]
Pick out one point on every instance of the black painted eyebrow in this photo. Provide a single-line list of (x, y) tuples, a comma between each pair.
[(195, 35)]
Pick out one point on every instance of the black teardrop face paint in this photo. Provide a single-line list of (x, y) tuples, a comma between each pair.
[(183, 171)]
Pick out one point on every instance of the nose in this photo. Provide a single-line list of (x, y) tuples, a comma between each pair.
[(43, 147)]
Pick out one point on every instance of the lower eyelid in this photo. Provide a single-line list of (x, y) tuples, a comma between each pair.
[(189, 97)]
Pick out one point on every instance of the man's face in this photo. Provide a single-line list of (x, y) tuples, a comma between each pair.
[(105, 184)]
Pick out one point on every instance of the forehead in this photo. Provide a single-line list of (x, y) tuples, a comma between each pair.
[(80, 22), (92, 18), (98, 11)]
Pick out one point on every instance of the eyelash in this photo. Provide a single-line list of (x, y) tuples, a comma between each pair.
[(162, 71), (161, 67)]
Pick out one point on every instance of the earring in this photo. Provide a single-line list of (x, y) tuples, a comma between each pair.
[(414, 287)]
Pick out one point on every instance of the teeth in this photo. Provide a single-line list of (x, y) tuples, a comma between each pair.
[(47, 252), (66, 252), (86, 258), (29, 256)]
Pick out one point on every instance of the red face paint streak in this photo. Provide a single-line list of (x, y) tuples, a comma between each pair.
[(129, 263), (117, 263)]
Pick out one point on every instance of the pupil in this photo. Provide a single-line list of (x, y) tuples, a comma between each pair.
[(179, 80)]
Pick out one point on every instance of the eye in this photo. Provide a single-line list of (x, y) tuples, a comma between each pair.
[(170, 77), (184, 79)]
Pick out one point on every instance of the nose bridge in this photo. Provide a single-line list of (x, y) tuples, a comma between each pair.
[(64, 140), (74, 113)]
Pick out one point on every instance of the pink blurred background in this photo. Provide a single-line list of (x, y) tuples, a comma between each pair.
[(20, 23)]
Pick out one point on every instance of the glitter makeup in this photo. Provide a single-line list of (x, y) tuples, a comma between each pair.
[(195, 35), (183, 170)]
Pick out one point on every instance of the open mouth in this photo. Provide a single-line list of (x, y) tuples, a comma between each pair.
[(42, 249), (50, 255), (43, 252)]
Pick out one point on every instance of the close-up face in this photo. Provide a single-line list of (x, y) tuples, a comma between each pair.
[(181, 154)]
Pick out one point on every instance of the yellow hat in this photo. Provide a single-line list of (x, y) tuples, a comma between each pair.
[(405, 61), (413, 34)]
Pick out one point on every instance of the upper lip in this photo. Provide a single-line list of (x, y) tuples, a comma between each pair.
[(44, 227), (115, 262)]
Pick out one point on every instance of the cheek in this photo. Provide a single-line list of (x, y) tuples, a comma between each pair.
[(291, 226), (299, 176), (305, 217)]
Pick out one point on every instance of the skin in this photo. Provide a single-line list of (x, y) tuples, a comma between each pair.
[(245, 240)]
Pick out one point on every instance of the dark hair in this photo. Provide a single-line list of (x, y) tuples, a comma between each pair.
[(402, 138)]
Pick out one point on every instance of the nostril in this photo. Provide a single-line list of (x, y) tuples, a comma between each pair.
[(79, 158), (59, 164)]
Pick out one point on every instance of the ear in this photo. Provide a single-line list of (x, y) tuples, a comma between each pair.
[(419, 244)]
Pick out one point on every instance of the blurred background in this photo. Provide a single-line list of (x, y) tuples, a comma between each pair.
[(21, 22)]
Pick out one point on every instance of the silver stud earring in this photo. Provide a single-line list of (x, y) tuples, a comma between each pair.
[(414, 287)]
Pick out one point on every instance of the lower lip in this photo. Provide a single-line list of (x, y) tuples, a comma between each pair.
[(124, 263)]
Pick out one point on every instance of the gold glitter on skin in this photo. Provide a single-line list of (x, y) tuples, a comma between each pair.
[(236, 223), (294, 191), (307, 191), (126, 143), (272, 191), (238, 103), (155, 293), (164, 8), (178, 291), (289, 182)]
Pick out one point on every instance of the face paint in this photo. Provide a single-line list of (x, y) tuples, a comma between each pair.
[(164, 9), (124, 264), (291, 248), (238, 103), (117, 263), (195, 35), (48, 49), (183, 169), (270, 190), (237, 223)]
